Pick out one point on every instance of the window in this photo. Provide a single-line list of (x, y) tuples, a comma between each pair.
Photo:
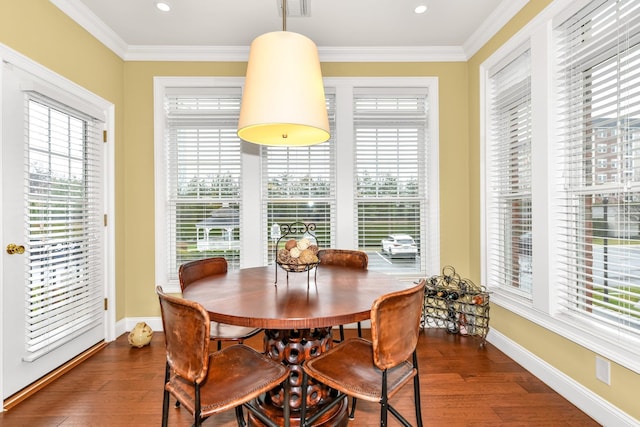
[(509, 171), (598, 76), (580, 231), (391, 146), (201, 200), (386, 154), (203, 169), (63, 225), (300, 186)]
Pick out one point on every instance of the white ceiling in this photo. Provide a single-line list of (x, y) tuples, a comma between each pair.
[(195, 29)]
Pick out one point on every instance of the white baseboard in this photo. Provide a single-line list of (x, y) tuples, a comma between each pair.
[(589, 402)]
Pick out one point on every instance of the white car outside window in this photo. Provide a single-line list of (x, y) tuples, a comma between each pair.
[(399, 245)]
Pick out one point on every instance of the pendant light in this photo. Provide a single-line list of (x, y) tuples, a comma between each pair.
[(283, 100)]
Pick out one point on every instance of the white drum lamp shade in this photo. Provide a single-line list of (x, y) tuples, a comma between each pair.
[(283, 101)]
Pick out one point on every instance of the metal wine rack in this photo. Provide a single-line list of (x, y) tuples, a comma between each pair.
[(456, 304)]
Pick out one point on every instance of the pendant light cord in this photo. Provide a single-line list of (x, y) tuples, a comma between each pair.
[(284, 15)]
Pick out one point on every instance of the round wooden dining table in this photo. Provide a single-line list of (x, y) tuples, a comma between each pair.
[(297, 314)]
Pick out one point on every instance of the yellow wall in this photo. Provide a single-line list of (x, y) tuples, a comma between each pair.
[(138, 158), (564, 355), (40, 31)]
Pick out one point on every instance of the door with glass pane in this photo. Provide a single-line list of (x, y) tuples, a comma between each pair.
[(53, 232)]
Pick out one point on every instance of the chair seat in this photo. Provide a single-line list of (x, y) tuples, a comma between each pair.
[(348, 367), (224, 331), (238, 374)]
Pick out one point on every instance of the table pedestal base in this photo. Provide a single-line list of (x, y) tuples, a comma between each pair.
[(292, 348), (336, 417)]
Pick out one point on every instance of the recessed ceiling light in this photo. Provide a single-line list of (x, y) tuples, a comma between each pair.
[(420, 9), (163, 6)]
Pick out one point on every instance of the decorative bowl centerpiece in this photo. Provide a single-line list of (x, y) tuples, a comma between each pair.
[(298, 255), (296, 248)]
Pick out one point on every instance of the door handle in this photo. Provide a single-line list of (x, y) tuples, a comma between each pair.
[(12, 248)]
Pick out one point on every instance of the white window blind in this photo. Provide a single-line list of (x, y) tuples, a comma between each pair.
[(299, 184), (64, 223), (203, 175), (508, 164), (599, 204), (391, 149)]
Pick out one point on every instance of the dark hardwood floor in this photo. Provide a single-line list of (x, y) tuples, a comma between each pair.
[(462, 383)]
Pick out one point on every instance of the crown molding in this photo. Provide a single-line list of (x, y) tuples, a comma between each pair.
[(187, 53), (490, 27), (88, 20), (326, 54), (392, 54), (84, 17)]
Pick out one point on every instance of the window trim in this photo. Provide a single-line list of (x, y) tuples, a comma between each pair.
[(161, 84), (345, 237), (521, 56)]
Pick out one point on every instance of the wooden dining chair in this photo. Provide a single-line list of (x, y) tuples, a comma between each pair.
[(372, 370), (208, 383), (344, 258), (195, 270)]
